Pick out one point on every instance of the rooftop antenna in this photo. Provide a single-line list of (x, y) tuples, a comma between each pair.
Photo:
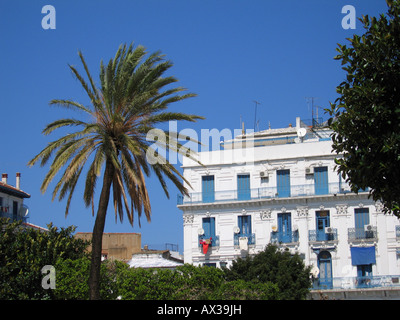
[(255, 113), (312, 108)]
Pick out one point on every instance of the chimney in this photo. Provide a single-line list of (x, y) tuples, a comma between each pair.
[(297, 123), (18, 180), (4, 177)]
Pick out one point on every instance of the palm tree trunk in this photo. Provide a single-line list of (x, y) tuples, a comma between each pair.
[(97, 236)]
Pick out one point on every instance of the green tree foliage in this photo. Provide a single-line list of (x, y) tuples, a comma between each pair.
[(72, 279), (198, 283), (270, 275), (23, 254), (366, 116), (272, 265), (247, 290), (186, 282)]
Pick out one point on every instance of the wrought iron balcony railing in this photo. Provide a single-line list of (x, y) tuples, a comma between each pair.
[(284, 237), (319, 236), (251, 238), (265, 193), (214, 240), (358, 234), (356, 282), (13, 217)]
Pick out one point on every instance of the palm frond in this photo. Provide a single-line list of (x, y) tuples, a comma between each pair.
[(62, 123), (69, 104)]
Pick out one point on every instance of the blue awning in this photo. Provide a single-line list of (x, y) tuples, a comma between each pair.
[(362, 255)]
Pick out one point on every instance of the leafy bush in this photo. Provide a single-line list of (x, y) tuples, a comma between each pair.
[(271, 274), (72, 279), (184, 283), (285, 270), (23, 254), (198, 283), (243, 290)]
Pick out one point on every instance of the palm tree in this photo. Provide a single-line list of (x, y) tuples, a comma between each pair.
[(130, 101)]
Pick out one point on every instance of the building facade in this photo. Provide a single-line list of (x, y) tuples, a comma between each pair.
[(280, 186), (120, 246), (12, 199)]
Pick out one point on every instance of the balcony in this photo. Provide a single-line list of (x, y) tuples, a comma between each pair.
[(362, 234), (11, 216), (264, 193), (287, 237), (214, 241), (251, 238), (346, 283), (315, 236)]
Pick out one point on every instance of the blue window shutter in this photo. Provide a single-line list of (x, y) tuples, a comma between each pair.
[(212, 228), (321, 180), (361, 217), (240, 224), (248, 225), (283, 183), (209, 228), (243, 186), (244, 224), (208, 188), (285, 227)]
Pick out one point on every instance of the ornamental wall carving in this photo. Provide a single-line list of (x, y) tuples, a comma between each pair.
[(341, 209), (188, 218), (302, 211)]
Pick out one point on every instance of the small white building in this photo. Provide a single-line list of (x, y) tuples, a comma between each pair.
[(12, 199), (280, 186), (155, 259)]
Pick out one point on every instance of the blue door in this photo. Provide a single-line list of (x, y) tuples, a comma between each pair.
[(243, 186), (284, 227), (209, 228), (361, 216), (244, 224), (283, 183), (364, 275), (325, 269), (321, 180), (322, 221), (208, 188)]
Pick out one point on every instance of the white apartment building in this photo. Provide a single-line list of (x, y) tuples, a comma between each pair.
[(283, 189), (12, 199)]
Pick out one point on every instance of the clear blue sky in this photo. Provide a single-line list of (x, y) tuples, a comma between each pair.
[(228, 52)]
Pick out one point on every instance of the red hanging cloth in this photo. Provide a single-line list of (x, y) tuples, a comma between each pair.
[(205, 243)]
